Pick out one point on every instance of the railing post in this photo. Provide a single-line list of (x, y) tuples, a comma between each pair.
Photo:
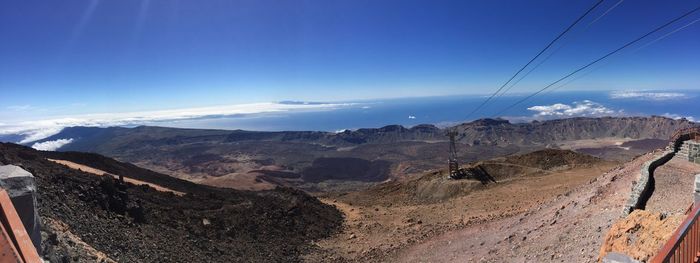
[(696, 193)]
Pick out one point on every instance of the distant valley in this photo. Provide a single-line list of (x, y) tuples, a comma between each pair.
[(351, 160)]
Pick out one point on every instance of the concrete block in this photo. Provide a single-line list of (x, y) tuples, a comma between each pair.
[(21, 188)]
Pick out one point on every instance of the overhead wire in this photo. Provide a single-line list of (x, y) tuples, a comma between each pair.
[(599, 59), (565, 42), (634, 51), (536, 56)]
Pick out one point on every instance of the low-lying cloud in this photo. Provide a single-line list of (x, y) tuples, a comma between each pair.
[(40, 129), (584, 108), (647, 95), (678, 117), (51, 145)]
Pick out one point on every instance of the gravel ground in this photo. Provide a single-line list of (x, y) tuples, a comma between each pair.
[(674, 186)]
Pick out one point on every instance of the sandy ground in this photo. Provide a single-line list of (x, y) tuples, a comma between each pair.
[(99, 172), (674, 187), (62, 232), (550, 217), (593, 143), (240, 181)]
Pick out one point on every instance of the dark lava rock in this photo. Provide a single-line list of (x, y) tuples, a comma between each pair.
[(144, 225)]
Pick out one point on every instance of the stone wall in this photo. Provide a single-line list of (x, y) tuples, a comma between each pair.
[(642, 191), (693, 151), (690, 151)]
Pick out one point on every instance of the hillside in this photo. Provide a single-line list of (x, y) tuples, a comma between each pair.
[(529, 213), (205, 225)]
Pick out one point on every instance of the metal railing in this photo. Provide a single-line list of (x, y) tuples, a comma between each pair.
[(684, 244)]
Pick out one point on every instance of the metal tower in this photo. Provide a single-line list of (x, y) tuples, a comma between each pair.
[(452, 163)]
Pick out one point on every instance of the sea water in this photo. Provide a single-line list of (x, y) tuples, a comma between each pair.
[(450, 110)]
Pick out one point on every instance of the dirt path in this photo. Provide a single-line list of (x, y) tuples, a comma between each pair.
[(674, 186), (99, 172), (497, 223)]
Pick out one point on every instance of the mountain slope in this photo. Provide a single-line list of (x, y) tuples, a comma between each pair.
[(206, 225)]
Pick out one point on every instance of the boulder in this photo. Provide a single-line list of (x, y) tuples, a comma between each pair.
[(21, 188)]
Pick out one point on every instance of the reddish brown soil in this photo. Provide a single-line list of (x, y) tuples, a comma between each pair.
[(567, 227), (640, 235), (545, 216), (99, 172)]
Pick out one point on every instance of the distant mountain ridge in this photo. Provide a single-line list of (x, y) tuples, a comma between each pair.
[(92, 139), (498, 132), (482, 131)]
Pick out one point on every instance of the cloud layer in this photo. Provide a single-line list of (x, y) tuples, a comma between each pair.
[(584, 108), (647, 95), (37, 130), (51, 145), (677, 117)]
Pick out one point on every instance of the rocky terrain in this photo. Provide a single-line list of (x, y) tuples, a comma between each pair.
[(86, 218), (544, 206), (320, 161), (532, 213), (641, 234)]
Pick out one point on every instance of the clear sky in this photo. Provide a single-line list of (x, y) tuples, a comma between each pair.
[(91, 56)]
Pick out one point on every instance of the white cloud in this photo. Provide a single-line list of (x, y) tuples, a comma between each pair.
[(647, 95), (40, 133), (411, 117), (20, 107), (584, 108), (51, 145), (677, 117), (37, 130)]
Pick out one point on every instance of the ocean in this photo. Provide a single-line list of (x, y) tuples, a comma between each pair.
[(450, 110)]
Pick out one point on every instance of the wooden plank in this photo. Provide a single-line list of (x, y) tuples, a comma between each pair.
[(16, 230), (8, 252)]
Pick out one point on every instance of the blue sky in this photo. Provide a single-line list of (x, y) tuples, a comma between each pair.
[(97, 56)]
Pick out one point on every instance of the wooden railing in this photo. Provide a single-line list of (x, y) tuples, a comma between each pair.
[(15, 243), (684, 244), (692, 130), (692, 133)]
